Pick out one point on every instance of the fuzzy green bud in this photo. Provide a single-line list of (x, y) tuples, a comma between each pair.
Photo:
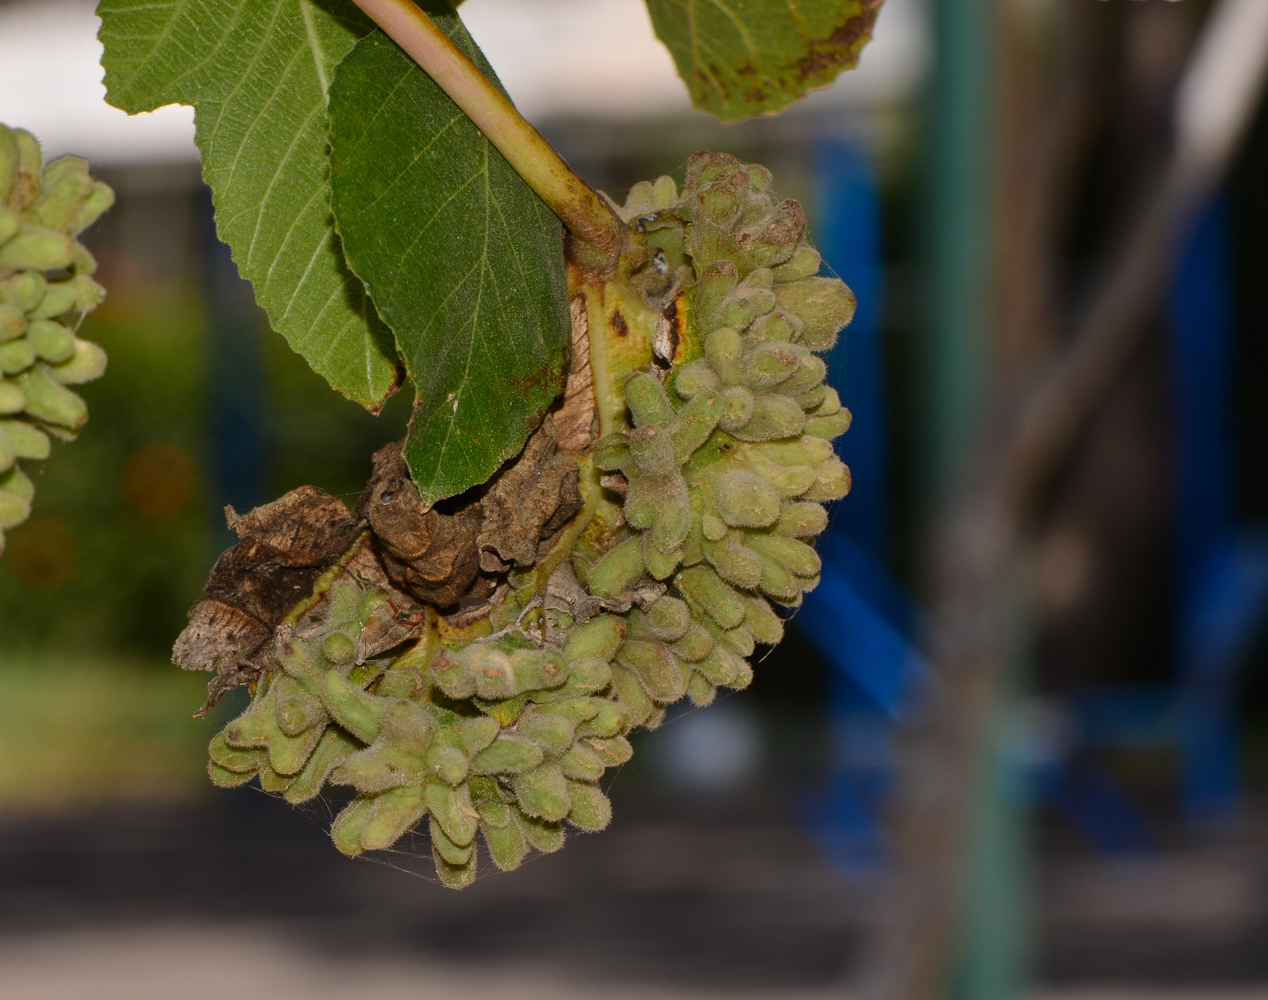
[(694, 423), (660, 565), (507, 754), (25, 290), (48, 400), (832, 481), (543, 792), (354, 709), (737, 408), (824, 306), (16, 356), (13, 322), (12, 399), (656, 667), (703, 586), (8, 162), (743, 499), (618, 570), (86, 364), (733, 561), (600, 637), (774, 416), (694, 378), (10, 223), (700, 690), (829, 427), (804, 263), (647, 401), (37, 249), (667, 619), (51, 341), (694, 644), (28, 441), (762, 622), (591, 810), (393, 814), (801, 520)]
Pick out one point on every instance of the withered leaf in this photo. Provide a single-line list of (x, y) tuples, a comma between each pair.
[(283, 547), (529, 502), (427, 551)]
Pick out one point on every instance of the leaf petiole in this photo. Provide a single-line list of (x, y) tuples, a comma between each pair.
[(588, 217)]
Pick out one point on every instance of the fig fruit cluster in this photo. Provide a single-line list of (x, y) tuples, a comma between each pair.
[(45, 288)]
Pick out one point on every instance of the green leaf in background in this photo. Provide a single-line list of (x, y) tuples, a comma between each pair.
[(463, 260), (741, 58), (256, 73)]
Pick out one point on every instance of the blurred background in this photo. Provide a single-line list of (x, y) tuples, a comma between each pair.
[(985, 181)]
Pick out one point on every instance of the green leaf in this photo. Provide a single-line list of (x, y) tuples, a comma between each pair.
[(256, 73), (752, 57), (463, 260)]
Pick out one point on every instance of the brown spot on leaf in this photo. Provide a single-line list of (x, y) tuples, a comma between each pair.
[(619, 325)]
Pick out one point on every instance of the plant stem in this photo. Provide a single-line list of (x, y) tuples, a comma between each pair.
[(587, 216)]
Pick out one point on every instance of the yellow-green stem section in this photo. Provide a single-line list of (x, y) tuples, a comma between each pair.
[(579, 206)]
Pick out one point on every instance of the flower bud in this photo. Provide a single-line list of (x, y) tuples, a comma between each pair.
[(832, 481), (761, 621), (591, 811), (354, 709), (11, 398), (694, 423), (618, 570), (452, 809), (16, 356), (581, 763), (774, 416), (10, 223), (801, 520), (700, 691), (8, 162), (23, 290), (86, 364), (694, 378), (392, 814), (804, 263), (703, 586), (660, 565), (28, 441), (667, 619), (646, 398), (507, 844), (49, 401), (12, 322), (743, 499), (51, 341), (452, 854), (38, 250), (824, 306), (656, 667), (737, 408), (543, 792), (734, 562)]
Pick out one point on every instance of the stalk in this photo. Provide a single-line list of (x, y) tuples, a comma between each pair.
[(587, 216)]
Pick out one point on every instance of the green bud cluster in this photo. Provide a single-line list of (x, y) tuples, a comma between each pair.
[(45, 286), (505, 727), (496, 737), (728, 471)]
